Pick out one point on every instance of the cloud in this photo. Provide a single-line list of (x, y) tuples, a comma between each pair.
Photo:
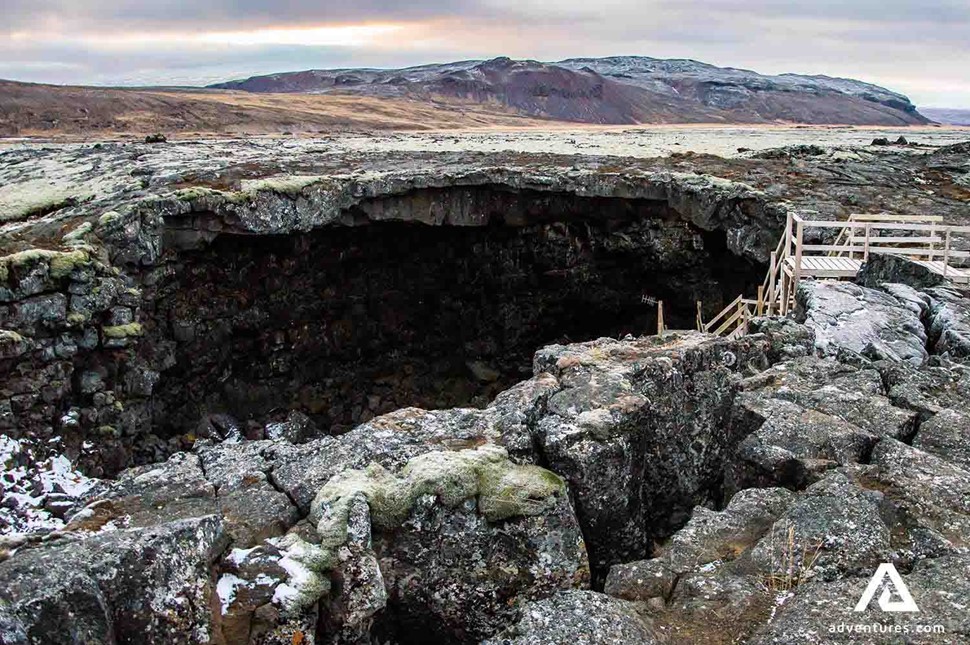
[(919, 48)]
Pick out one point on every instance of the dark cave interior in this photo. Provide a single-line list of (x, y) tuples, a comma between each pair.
[(351, 321)]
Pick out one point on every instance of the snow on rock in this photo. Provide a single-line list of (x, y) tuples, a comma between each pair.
[(37, 493)]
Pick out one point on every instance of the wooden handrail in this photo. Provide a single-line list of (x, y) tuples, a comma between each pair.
[(861, 236), (727, 323), (733, 305), (889, 226), (888, 217)]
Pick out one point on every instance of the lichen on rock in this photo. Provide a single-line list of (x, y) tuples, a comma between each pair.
[(503, 489), (123, 331)]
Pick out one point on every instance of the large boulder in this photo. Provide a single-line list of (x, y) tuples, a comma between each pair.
[(851, 393), (448, 547), (933, 491), (849, 318), (834, 528), (806, 416), (946, 435), (709, 537), (949, 322), (928, 390), (882, 268), (461, 538), (638, 429), (144, 585)]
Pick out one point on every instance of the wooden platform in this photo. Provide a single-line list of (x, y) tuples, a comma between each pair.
[(836, 267), (952, 273), (825, 267)]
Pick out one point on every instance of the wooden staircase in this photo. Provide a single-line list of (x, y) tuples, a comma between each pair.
[(924, 240)]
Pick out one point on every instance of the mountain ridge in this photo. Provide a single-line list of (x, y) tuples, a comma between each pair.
[(613, 90)]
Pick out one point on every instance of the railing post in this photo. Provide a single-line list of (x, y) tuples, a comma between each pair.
[(745, 319), (660, 317), (932, 237), (865, 249), (771, 282), (761, 300), (788, 236), (700, 317), (946, 253), (783, 296), (797, 272)]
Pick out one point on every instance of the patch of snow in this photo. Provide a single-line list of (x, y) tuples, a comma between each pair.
[(28, 483), (237, 556), (226, 588), (285, 595)]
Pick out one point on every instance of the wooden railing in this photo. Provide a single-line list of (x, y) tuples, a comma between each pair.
[(921, 238)]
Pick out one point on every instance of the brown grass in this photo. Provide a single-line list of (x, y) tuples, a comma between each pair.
[(72, 112)]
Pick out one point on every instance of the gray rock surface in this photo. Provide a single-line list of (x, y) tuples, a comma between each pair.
[(946, 435), (821, 611), (148, 585), (581, 617), (640, 436), (867, 322), (949, 323)]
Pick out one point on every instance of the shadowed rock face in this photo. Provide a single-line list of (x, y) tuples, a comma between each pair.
[(214, 312), (349, 322)]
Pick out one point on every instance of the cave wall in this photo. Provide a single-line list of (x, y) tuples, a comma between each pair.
[(356, 320), (175, 314)]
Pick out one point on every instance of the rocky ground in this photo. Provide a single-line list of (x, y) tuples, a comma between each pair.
[(674, 489)]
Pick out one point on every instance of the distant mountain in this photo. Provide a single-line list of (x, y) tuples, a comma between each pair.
[(615, 90), (948, 116)]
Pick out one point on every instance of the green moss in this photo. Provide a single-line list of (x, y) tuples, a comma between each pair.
[(123, 331), (60, 263), (291, 185), (193, 193), (35, 198), (503, 489), (64, 263), (307, 567), (77, 318), (109, 431), (77, 235), (108, 218), (11, 337)]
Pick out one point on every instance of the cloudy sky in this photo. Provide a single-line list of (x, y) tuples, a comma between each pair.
[(921, 48)]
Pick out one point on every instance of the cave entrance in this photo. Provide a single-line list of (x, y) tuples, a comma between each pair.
[(355, 320)]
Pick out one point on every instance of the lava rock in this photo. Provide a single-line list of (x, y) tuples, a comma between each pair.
[(870, 323), (949, 323), (946, 435), (578, 617), (820, 610), (709, 537), (147, 585), (638, 430), (882, 268), (834, 528)]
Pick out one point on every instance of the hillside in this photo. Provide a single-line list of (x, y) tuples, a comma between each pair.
[(28, 109), (617, 90)]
